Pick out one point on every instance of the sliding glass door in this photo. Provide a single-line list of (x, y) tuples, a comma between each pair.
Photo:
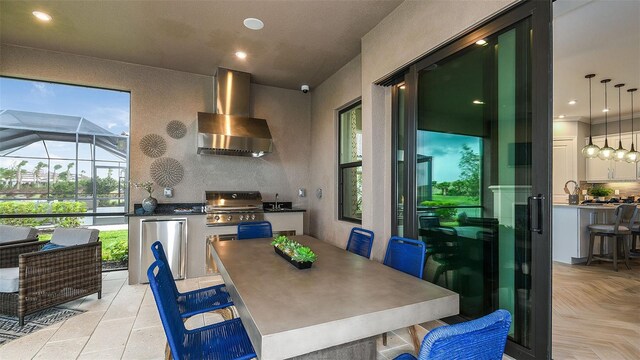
[(475, 156)]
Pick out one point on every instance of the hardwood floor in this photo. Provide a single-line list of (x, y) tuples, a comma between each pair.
[(596, 312)]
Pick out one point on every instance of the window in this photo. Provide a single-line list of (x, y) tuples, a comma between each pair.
[(350, 163), (64, 149)]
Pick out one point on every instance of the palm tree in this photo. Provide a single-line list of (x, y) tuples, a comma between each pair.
[(19, 173), (37, 172), (56, 168)]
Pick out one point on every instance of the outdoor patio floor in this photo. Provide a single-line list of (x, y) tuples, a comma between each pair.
[(124, 324)]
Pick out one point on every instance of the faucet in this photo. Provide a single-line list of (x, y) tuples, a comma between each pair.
[(276, 206)]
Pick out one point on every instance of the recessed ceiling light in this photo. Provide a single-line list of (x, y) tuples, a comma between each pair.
[(42, 16), (561, 117), (572, 102), (478, 102), (253, 23), (481, 42), (241, 54)]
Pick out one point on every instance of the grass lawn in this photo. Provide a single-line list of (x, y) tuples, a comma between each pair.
[(109, 238)]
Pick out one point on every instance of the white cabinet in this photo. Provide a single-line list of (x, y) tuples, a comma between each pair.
[(570, 234), (564, 167), (286, 221), (610, 170)]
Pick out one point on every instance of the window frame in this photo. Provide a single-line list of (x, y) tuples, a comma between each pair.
[(342, 167)]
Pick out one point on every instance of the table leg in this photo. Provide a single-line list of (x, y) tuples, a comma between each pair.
[(413, 332)]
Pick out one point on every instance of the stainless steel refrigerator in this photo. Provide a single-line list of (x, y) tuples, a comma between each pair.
[(172, 233)]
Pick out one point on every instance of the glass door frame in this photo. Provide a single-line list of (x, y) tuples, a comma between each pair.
[(540, 14)]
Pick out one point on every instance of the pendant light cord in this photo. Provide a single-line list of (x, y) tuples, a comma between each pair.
[(606, 106), (619, 86), (590, 126)]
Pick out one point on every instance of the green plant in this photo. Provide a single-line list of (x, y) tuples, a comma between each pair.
[(599, 190), (304, 254), (297, 251), (116, 251), (445, 214)]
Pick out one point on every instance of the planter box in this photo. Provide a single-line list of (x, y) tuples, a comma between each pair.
[(297, 264)]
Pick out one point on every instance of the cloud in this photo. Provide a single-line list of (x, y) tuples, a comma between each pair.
[(41, 89)]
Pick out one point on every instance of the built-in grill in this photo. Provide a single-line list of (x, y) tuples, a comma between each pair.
[(233, 207)]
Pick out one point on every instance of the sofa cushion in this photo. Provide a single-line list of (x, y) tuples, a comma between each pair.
[(13, 233), (70, 237), (9, 279), (51, 246)]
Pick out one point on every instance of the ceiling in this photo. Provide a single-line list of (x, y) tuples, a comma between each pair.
[(601, 37), (303, 42)]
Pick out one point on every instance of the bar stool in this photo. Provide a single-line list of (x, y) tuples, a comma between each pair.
[(624, 215), (635, 233)]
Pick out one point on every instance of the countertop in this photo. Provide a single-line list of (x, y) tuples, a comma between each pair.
[(584, 206)]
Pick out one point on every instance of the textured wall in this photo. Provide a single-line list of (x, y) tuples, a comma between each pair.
[(341, 88), (159, 96)]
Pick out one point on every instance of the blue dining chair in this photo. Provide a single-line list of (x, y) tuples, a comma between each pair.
[(360, 241), (406, 255), (224, 340), (254, 230), (482, 338), (196, 301)]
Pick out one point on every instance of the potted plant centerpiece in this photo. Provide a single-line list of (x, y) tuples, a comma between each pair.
[(600, 192), (295, 253)]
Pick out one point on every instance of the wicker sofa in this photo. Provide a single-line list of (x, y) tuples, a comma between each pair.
[(48, 278), (10, 235)]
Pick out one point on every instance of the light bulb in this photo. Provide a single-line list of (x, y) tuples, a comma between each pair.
[(606, 152), (619, 154), (590, 151)]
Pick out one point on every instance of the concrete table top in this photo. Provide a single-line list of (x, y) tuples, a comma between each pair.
[(344, 297)]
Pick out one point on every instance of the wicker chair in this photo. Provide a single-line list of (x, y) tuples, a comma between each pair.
[(10, 235), (52, 277)]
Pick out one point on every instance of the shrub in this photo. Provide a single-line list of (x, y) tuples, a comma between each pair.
[(446, 214), (31, 207), (116, 251)]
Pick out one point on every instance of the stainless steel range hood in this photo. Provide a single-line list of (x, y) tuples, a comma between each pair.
[(231, 131)]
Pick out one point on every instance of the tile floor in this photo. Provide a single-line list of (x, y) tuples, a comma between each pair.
[(124, 324)]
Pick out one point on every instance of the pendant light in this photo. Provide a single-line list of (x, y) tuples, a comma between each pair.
[(632, 156), (606, 152), (590, 151), (621, 152)]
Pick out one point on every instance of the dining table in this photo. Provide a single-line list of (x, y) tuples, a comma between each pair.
[(333, 310)]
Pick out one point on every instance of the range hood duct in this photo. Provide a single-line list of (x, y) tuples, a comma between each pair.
[(231, 131)]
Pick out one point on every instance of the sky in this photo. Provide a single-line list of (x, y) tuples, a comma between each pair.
[(109, 109), (445, 150)]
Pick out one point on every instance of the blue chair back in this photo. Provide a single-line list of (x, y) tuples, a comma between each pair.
[(482, 338), (406, 255), (360, 241), (158, 252), (254, 230), (162, 284)]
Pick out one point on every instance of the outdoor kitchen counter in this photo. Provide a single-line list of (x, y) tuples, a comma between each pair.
[(343, 298)]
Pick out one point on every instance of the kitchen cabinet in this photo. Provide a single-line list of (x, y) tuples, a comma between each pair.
[(564, 167), (570, 234), (286, 221), (610, 170)]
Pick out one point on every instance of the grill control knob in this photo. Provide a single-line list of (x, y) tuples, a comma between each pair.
[(253, 216), (229, 218), (216, 218), (241, 217)]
